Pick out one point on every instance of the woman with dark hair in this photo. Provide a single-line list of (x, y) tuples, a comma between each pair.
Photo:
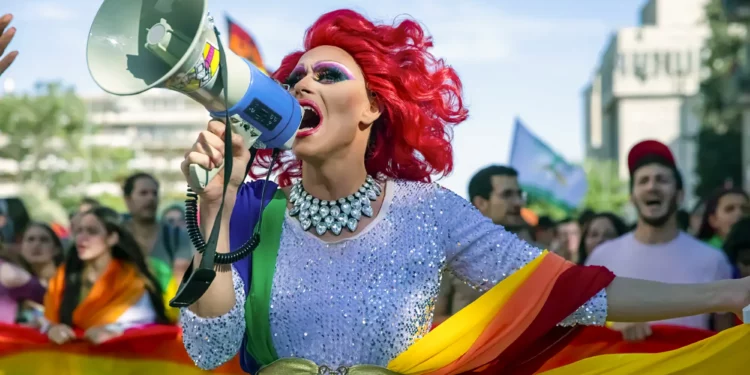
[(601, 227), (105, 286), (723, 209), (42, 250), (355, 236), (41, 254)]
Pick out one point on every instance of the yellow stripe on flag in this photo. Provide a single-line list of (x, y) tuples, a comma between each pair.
[(451, 339), (723, 353)]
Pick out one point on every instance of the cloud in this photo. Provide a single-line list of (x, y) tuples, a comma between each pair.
[(49, 11)]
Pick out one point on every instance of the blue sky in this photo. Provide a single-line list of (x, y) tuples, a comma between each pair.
[(528, 58)]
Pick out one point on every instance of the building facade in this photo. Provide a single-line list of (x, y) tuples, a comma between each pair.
[(158, 125), (646, 87)]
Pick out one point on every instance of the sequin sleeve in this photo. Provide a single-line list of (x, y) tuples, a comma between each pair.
[(481, 254), (211, 342)]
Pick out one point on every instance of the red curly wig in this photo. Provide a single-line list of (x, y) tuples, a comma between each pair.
[(420, 96)]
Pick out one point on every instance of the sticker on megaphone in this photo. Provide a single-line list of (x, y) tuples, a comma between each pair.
[(179, 51)]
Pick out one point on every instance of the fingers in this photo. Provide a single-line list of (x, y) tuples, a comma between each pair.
[(218, 128), (646, 331), (60, 334), (637, 332), (211, 145), (5, 21), (67, 331), (208, 150), (5, 38), (6, 61), (239, 148)]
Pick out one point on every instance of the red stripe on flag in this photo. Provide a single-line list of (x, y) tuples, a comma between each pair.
[(153, 343), (593, 341), (543, 339)]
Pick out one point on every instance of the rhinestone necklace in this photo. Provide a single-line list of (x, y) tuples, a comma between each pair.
[(333, 215)]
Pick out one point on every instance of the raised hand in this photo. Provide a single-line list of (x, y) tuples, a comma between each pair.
[(5, 37), (208, 152)]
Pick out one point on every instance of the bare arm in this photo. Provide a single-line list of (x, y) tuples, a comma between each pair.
[(633, 300), (219, 297), (12, 276), (179, 267)]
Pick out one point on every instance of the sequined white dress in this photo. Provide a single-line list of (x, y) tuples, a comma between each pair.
[(366, 299)]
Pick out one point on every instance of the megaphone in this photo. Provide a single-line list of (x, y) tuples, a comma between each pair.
[(137, 45)]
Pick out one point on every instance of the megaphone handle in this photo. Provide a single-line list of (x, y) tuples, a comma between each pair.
[(200, 176)]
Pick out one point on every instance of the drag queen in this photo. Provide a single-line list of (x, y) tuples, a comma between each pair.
[(356, 236)]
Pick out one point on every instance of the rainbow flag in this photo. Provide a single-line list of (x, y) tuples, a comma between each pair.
[(594, 341), (243, 44), (512, 329), (149, 350)]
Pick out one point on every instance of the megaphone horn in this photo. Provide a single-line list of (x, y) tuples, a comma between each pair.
[(137, 45)]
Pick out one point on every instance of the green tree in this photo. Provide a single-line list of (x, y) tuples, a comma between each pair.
[(545, 208), (606, 192), (44, 133), (720, 141)]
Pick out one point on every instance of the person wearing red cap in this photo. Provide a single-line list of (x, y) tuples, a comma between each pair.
[(657, 250)]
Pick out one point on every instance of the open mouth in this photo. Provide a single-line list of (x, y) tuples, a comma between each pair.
[(311, 118), (653, 203)]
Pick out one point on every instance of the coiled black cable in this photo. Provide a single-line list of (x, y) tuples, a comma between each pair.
[(194, 232)]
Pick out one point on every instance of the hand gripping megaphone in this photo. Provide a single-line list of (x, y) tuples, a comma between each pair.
[(137, 45)]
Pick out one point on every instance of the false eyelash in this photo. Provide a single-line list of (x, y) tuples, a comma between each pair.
[(330, 74)]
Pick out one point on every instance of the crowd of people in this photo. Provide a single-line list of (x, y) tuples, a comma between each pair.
[(115, 270), (713, 245), (666, 243)]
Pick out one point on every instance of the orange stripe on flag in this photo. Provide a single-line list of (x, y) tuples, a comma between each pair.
[(477, 333), (514, 318)]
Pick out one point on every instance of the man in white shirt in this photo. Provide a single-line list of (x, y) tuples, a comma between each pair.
[(657, 250)]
